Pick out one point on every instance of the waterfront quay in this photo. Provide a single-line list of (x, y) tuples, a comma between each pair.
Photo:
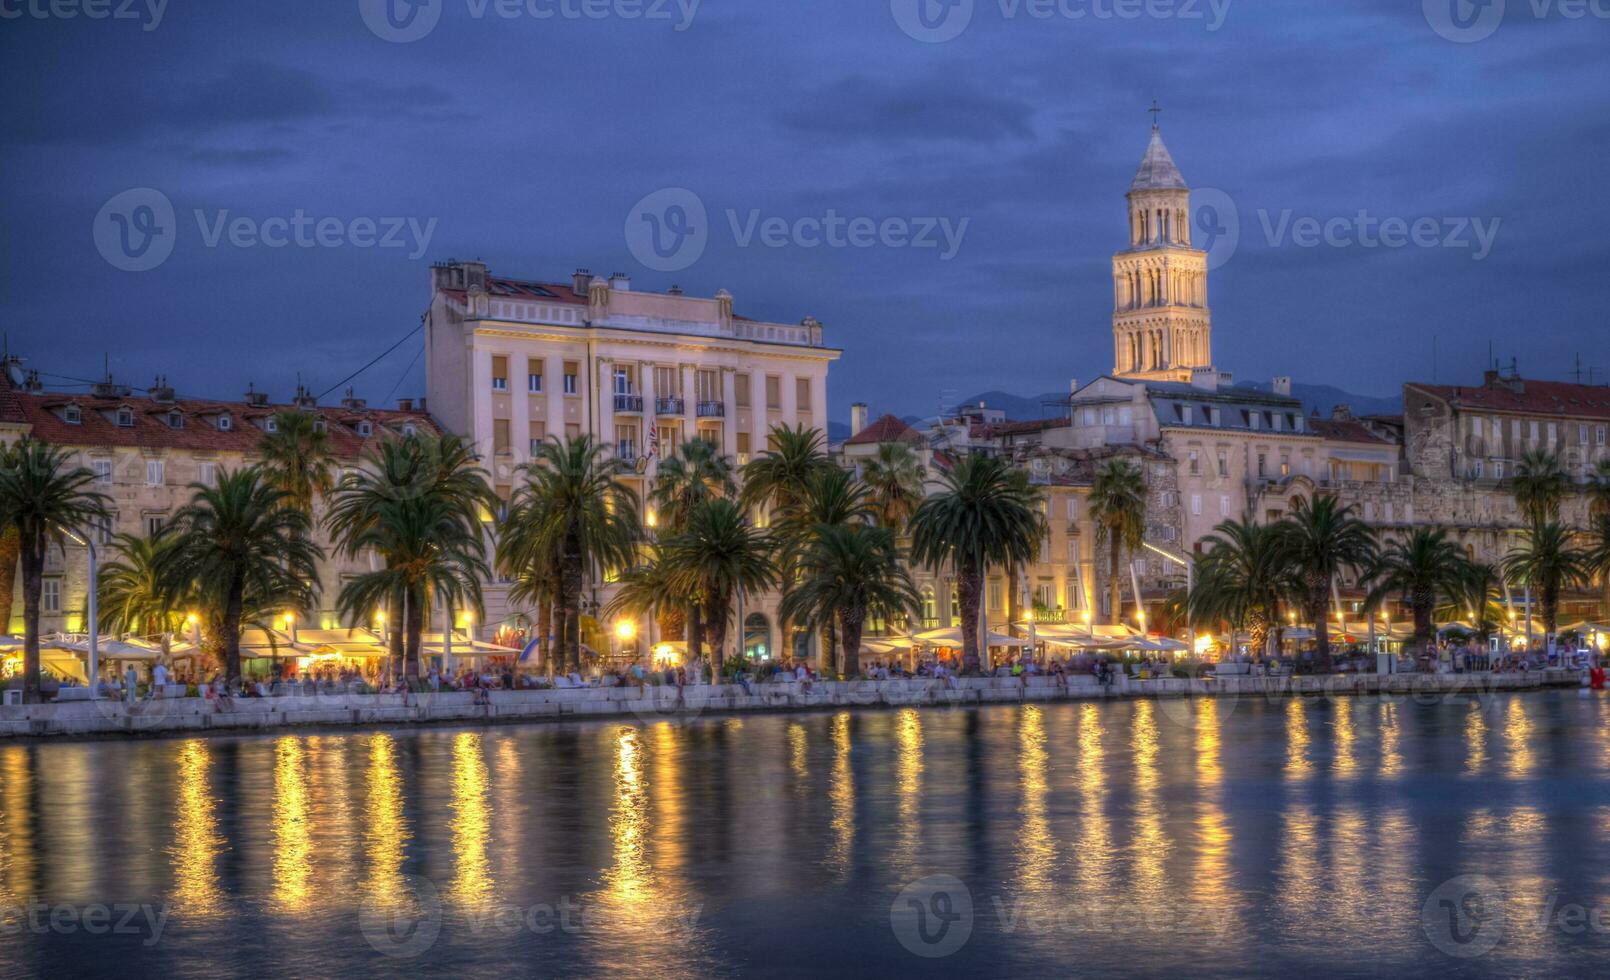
[(187, 716)]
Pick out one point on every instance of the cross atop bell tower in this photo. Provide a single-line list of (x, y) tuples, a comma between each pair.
[(1162, 328)]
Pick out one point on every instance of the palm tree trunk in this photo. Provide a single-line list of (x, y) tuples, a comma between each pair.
[(1116, 583), (717, 613), (544, 643), (1551, 610), (232, 614), (1317, 599), (33, 578), (1423, 601), (851, 621), (695, 633), (10, 553), (416, 629), (394, 645), (561, 627), (572, 590), (969, 577), (830, 646)]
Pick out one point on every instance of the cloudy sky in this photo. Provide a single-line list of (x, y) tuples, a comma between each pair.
[(525, 134)]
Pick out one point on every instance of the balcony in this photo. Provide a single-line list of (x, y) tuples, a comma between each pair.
[(712, 410), (670, 406), (629, 403)]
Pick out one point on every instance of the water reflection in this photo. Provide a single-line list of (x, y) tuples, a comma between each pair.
[(16, 829), (1151, 844), (842, 795), (1476, 739), (472, 822), (196, 841), (1518, 739), (908, 785), (1036, 852), (385, 827), (1211, 886), (798, 755), (628, 822), (1391, 749), (1343, 763), (1096, 872), (293, 839), (1298, 767)]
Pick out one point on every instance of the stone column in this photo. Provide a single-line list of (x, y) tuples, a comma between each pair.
[(729, 425), (605, 398)]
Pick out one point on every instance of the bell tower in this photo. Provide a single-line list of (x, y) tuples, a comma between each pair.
[(1162, 328)]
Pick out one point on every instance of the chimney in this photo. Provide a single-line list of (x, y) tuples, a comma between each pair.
[(858, 418), (475, 276), (1341, 412), (580, 280), (1205, 378), (405, 404), (304, 398), (676, 290), (160, 390), (1282, 386), (620, 282), (1073, 386), (422, 409), (352, 402), (255, 397)]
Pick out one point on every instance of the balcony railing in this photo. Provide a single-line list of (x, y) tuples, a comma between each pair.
[(712, 410), (670, 406), (626, 450), (629, 403)]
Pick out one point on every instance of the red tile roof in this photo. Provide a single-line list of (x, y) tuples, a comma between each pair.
[(886, 429), (983, 431), (1348, 430), (97, 426), (1533, 398)]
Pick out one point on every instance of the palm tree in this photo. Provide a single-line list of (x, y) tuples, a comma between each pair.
[(1424, 569), (1118, 508), (243, 549), (689, 476), (849, 572), (1243, 578), (574, 516), (718, 557), (431, 553), (1324, 539), (1549, 562), (895, 478), (369, 512), (10, 551), (777, 481), (985, 514), (131, 598), (44, 499), (296, 458), (1599, 552), (832, 498), (1599, 512), (649, 589), (1477, 598), (1539, 485)]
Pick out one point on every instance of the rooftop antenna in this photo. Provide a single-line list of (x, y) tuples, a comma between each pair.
[(1579, 367), (1433, 358)]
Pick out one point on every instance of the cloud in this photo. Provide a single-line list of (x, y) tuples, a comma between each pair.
[(933, 110)]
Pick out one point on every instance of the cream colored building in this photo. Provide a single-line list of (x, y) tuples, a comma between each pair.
[(511, 362)]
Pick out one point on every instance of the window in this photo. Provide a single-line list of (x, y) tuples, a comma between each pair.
[(225, 423), (154, 473), (409, 429), (208, 474), (72, 415), (366, 428), (570, 377), (1073, 509), (1475, 469), (1224, 505), (1285, 465), (1254, 420), (1196, 463), (500, 373), (500, 437), (929, 610), (1532, 428), (626, 441), (320, 426), (125, 418), (153, 525), (533, 376), (1263, 464), (1224, 463), (1582, 434), (625, 381), (707, 386), (802, 394), (743, 448), (1554, 433), (271, 424), (1498, 430), (102, 469), (102, 529), (175, 420), (50, 596), (996, 594), (774, 391), (955, 603), (740, 386), (1196, 505), (538, 435), (1599, 435), (1498, 469)]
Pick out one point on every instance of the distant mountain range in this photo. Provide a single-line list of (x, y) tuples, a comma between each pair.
[(1018, 408)]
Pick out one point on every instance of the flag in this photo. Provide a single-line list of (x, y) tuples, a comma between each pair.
[(653, 441)]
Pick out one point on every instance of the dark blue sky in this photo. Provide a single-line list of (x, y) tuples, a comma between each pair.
[(527, 140)]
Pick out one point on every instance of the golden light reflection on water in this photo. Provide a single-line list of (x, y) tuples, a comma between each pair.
[(472, 822), (630, 876), (798, 754), (908, 785), (196, 841), (16, 831), (1210, 886), (669, 830), (1298, 766), (1300, 886), (1150, 843), (1037, 851), (1476, 739), (1391, 740), (842, 795), (1518, 739), (1096, 876), (333, 828), (385, 827), (293, 838), (1345, 763)]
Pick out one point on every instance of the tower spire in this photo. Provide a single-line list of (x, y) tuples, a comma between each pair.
[(1156, 111)]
